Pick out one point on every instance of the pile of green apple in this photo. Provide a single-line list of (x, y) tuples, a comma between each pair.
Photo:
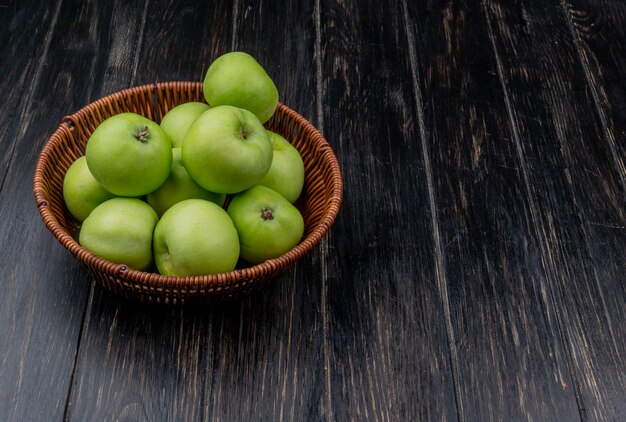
[(155, 194)]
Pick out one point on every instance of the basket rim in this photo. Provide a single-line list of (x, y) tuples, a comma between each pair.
[(155, 280)]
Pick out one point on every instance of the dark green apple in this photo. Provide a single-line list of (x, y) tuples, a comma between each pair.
[(120, 230), (268, 225), (176, 122), (227, 150), (178, 187), (81, 192), (195, 237), (129, 155), (286, 174), (237, 79)]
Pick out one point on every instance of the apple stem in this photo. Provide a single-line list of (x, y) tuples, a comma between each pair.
[(266, 214), (143, 135)]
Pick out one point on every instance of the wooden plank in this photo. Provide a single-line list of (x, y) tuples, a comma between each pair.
[(568, 144), (388, 353), (509, 360), (141, 362), (21, 67), (36, 319), (267, 350)]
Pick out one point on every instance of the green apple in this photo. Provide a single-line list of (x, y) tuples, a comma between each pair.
[(178, 187), (237, 79), (227, 150), (268, 225), (195, 237), (81, 192), (120, 230), (286, 174), (129, 155), (176, 122)]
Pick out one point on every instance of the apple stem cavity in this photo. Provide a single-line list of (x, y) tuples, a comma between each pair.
[(143, 135), (266, 214), (244, 133)]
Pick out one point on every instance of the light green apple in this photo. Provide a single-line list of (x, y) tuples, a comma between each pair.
[(227, 150), (268, 225), (81, 192), (178, 187), (120, 230), (195, 237), (129, 155), (237, 79), (176, 122), (286, 174)]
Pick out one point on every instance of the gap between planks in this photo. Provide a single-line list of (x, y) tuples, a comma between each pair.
[(327, 396)]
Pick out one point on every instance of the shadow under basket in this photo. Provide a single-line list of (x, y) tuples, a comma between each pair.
[(319, 202)]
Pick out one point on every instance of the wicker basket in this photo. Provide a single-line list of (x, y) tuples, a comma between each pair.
[(319, 202)]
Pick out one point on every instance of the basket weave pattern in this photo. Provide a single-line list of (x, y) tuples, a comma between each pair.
[(319, 202)]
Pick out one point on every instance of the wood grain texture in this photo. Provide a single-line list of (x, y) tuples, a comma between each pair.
[(139, 363), (151, 362), (388, 353), (267, 350), (574, 184), (596, 28), (509, 362), (21, 68)]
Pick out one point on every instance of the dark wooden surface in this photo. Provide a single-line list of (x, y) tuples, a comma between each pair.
[(476, 269)]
